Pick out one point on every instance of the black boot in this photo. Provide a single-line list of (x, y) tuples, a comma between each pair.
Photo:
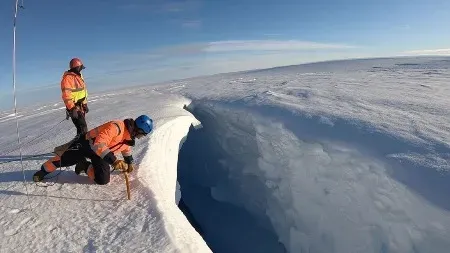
[(82, 166), (39, 175)]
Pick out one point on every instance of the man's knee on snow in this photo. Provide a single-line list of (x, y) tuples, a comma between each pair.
[(99, 175), (102, 181), (102, 176)]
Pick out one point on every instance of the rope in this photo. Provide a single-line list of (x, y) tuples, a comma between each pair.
[(35, 138), (15, 99), (24, 157), (77, 147)]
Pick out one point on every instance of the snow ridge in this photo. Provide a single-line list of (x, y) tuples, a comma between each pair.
[(161, 159)]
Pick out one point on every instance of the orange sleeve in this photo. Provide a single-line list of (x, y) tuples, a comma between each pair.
[(103, 139), (66, 89)]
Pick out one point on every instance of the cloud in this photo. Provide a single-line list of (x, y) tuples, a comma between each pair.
[(181, 50), (173, 67), (137, 7), (162, 6), (231, 46), (269, 45), (184, 13), (178, 6), (442, 51), (272, 34), (192, 24), (403, 27)]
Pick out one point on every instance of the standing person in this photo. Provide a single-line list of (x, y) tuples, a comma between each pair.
[(101, 145), (74, 95)]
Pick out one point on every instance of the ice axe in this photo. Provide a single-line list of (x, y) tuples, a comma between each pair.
[(127, 182)]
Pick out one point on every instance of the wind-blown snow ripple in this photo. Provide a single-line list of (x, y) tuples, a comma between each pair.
[(313, 184)]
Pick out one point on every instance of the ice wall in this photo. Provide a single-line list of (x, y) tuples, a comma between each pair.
[(250, 170)]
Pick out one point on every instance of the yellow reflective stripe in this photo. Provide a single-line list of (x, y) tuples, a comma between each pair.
[(98, 149), (85, 93), (77, 96), (73, 90)]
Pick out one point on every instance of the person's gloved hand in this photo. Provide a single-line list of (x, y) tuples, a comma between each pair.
[(74, 112), (130, 168), (120, 165), (85, 108)]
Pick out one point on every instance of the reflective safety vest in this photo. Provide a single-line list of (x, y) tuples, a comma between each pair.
[(109, 139), (73, 89)]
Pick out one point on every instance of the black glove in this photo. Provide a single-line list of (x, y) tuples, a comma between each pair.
[(128, 159), (85, 108)]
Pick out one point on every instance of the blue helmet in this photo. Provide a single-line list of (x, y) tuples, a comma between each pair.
[(145, 123)]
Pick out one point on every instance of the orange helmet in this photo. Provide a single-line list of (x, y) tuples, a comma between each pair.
[(75, 62)]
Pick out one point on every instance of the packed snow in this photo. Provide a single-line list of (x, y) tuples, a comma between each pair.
[(71, 214), (344, 156)]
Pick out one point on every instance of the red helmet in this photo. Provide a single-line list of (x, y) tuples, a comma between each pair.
[(75, 62)]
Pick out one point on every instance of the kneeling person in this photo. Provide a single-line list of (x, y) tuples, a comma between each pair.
[(101, 145)]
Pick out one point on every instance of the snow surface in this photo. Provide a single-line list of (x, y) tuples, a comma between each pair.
[(74, 215), (345, 156)]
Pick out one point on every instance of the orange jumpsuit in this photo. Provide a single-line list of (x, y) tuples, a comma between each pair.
[(101, 145), (74, 94)]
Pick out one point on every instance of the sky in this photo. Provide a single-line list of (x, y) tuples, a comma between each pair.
[(124, 43)]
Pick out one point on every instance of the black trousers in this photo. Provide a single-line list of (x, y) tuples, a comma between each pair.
[(80, 123), (78, 151)]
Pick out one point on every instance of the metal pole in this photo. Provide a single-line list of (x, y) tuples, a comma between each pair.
[(15, 99)]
